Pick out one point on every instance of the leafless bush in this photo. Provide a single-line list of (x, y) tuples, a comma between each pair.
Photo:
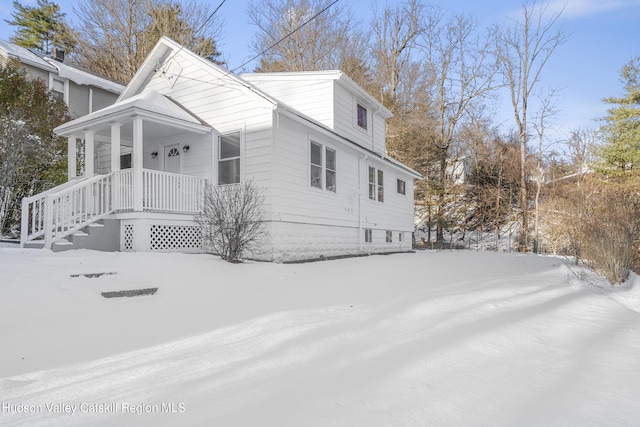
[(231, 219), (612, 244), (600, 225)]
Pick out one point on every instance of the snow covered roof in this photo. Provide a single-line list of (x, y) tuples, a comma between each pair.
[(82, 77), (44, 62), (25, 56), (148, 103)]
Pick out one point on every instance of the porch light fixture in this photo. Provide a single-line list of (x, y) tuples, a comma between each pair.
[(154, 154), (185, 148)]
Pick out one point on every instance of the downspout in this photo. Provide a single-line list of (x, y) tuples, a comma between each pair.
[(364, 159)]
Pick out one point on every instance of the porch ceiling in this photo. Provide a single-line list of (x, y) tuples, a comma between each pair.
[(161, 117)]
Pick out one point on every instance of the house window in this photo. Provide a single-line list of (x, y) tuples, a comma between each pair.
[(316, 165), (57, 87), (331, 169), (320, 163), (125, 161), (372, 183), (229, 159), (362, 117), (389, 236), (376, 184), (368, 235), (401, 186), (399, 237)]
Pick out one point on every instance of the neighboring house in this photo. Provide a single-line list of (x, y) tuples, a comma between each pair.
[(458, 170), (314, 142), (83, 92)]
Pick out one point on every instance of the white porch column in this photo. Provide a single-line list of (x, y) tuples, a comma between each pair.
[(89, 148), (137, 164), (71, 157), (115, 147)]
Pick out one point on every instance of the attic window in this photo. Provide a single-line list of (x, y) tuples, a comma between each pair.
[(362, 117)]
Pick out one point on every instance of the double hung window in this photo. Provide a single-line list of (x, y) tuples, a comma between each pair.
[(376, 184), (323, 167), (229, 159)]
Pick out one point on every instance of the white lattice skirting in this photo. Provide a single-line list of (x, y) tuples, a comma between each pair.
[(144, 235)]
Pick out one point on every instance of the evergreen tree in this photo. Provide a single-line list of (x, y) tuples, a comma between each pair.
[(621, 131), (32, 158), (42, 27)]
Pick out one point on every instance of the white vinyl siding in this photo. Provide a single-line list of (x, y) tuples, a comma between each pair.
[(235, 107), (311, 96), (101, 99)]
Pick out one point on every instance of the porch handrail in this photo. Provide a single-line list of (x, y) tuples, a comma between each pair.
[(55, 189), (63, 210)]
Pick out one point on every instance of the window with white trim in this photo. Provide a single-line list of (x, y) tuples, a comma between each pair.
[(389, 236), (361, 113), (376, 184), (400, 237), (229, 158), (323, 168), (57, 87), (368, 235), (401, 186)]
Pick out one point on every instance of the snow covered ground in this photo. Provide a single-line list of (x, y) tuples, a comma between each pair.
[(426, 339)]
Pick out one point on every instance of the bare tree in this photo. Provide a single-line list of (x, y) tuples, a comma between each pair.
[(115, 36), (307, 35), (582, 146), (395, 32), (461, 69), (231, 219), (548, 109), (523, 51)]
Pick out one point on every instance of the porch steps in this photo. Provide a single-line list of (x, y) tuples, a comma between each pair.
[(34, 244), (62, 245), (102, 235)]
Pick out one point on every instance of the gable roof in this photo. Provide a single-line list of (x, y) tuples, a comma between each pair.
[(161, 55)]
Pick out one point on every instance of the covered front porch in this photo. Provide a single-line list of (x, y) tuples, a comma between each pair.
[(137, 158)]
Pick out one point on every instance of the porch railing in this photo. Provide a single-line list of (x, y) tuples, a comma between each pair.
[(170, 192), (63, 210), (54, 215)]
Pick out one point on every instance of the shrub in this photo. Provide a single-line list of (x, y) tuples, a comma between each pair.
[(231, 220)]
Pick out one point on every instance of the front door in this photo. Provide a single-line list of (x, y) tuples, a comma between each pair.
[(172, 158)]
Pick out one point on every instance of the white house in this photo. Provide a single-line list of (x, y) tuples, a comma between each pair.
[(313, 141), (82, 91)]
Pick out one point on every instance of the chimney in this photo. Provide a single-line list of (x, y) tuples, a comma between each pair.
[(58, 54)]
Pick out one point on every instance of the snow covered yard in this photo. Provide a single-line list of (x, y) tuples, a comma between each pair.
[(425, 339)]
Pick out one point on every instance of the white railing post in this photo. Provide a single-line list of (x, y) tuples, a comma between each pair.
[(48, 221), (24, 224)]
